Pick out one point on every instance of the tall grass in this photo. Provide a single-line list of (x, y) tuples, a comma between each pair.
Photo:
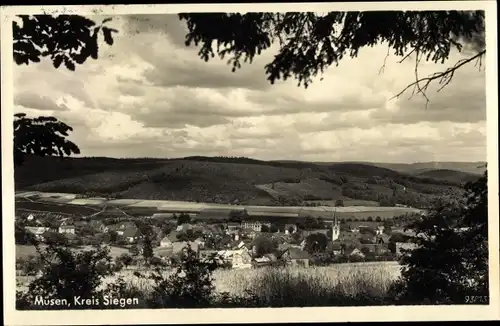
[(317, 286), (336, 285)]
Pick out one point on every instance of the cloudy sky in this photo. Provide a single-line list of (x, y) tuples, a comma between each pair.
[(149, 95)]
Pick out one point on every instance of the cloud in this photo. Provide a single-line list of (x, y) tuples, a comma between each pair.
[(31, 100), (150, 95)]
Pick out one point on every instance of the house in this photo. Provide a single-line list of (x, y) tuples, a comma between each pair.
[(366, 238), (200, 242), (184, 227), (64, 228), (236, 243), (172, 236), (348, 236), (249, 233), (166, 243), (376, 248), (335, 247), (238, 258), (181, 246), (303, 244), (306, 233), (233, 227), (241, 259), (380, 229), (283, 246), (120, 228), (383, 238), (355, 252), (132, 234), (290, 227), (296, 257), (255, 225), (39, 231), (261, 262), (176, 248), (358, 226)]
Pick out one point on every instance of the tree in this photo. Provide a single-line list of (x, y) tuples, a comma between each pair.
[(311, 42), (55, 238), (316, 242), (125, 259), (65, 38), (66, 275), (111, 236), (41, 136), (264, 245), (265, 228), (21, 235), (378, 219), (451, 260), (183, 218), (147, 249), (134, 251), (237, 216), (189, 286), (369, 219), (339, 203), (291, 229), (274, 228), (388, 230), (71, 39)]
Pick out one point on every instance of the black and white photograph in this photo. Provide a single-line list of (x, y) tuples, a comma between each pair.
[(265, 157)]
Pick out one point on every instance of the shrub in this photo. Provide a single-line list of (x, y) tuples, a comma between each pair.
[(29, 265), (449, 264), (66, 275), (191, 285)]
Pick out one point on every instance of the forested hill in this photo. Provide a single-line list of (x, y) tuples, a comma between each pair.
[(234, 180)]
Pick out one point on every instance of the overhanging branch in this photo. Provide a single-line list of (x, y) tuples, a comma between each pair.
[(444, 77)]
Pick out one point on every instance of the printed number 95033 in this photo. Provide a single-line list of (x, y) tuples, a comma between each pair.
[(478, 299)]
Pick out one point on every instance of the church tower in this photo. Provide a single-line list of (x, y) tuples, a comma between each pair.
[(335, 229)]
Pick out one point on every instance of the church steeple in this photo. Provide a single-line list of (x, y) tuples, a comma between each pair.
[(335, 228)]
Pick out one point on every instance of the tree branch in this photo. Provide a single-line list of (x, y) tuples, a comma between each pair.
[(444, 77), (381, 70)]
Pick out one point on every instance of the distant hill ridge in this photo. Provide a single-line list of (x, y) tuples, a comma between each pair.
[(240, 180)]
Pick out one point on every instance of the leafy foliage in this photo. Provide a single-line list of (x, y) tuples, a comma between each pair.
[(190, 286), (68, 39), (311, 42), (66, 275), (451, 261), (41, 136), (264, 245), (316, 243)]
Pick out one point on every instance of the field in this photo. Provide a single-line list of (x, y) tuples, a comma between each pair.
[(235, 181), (55, 207), (204, 210)]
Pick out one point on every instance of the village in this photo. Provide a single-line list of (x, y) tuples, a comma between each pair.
[(238, 240)]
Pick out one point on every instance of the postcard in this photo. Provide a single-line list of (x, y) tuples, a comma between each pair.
[(206, 163)]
